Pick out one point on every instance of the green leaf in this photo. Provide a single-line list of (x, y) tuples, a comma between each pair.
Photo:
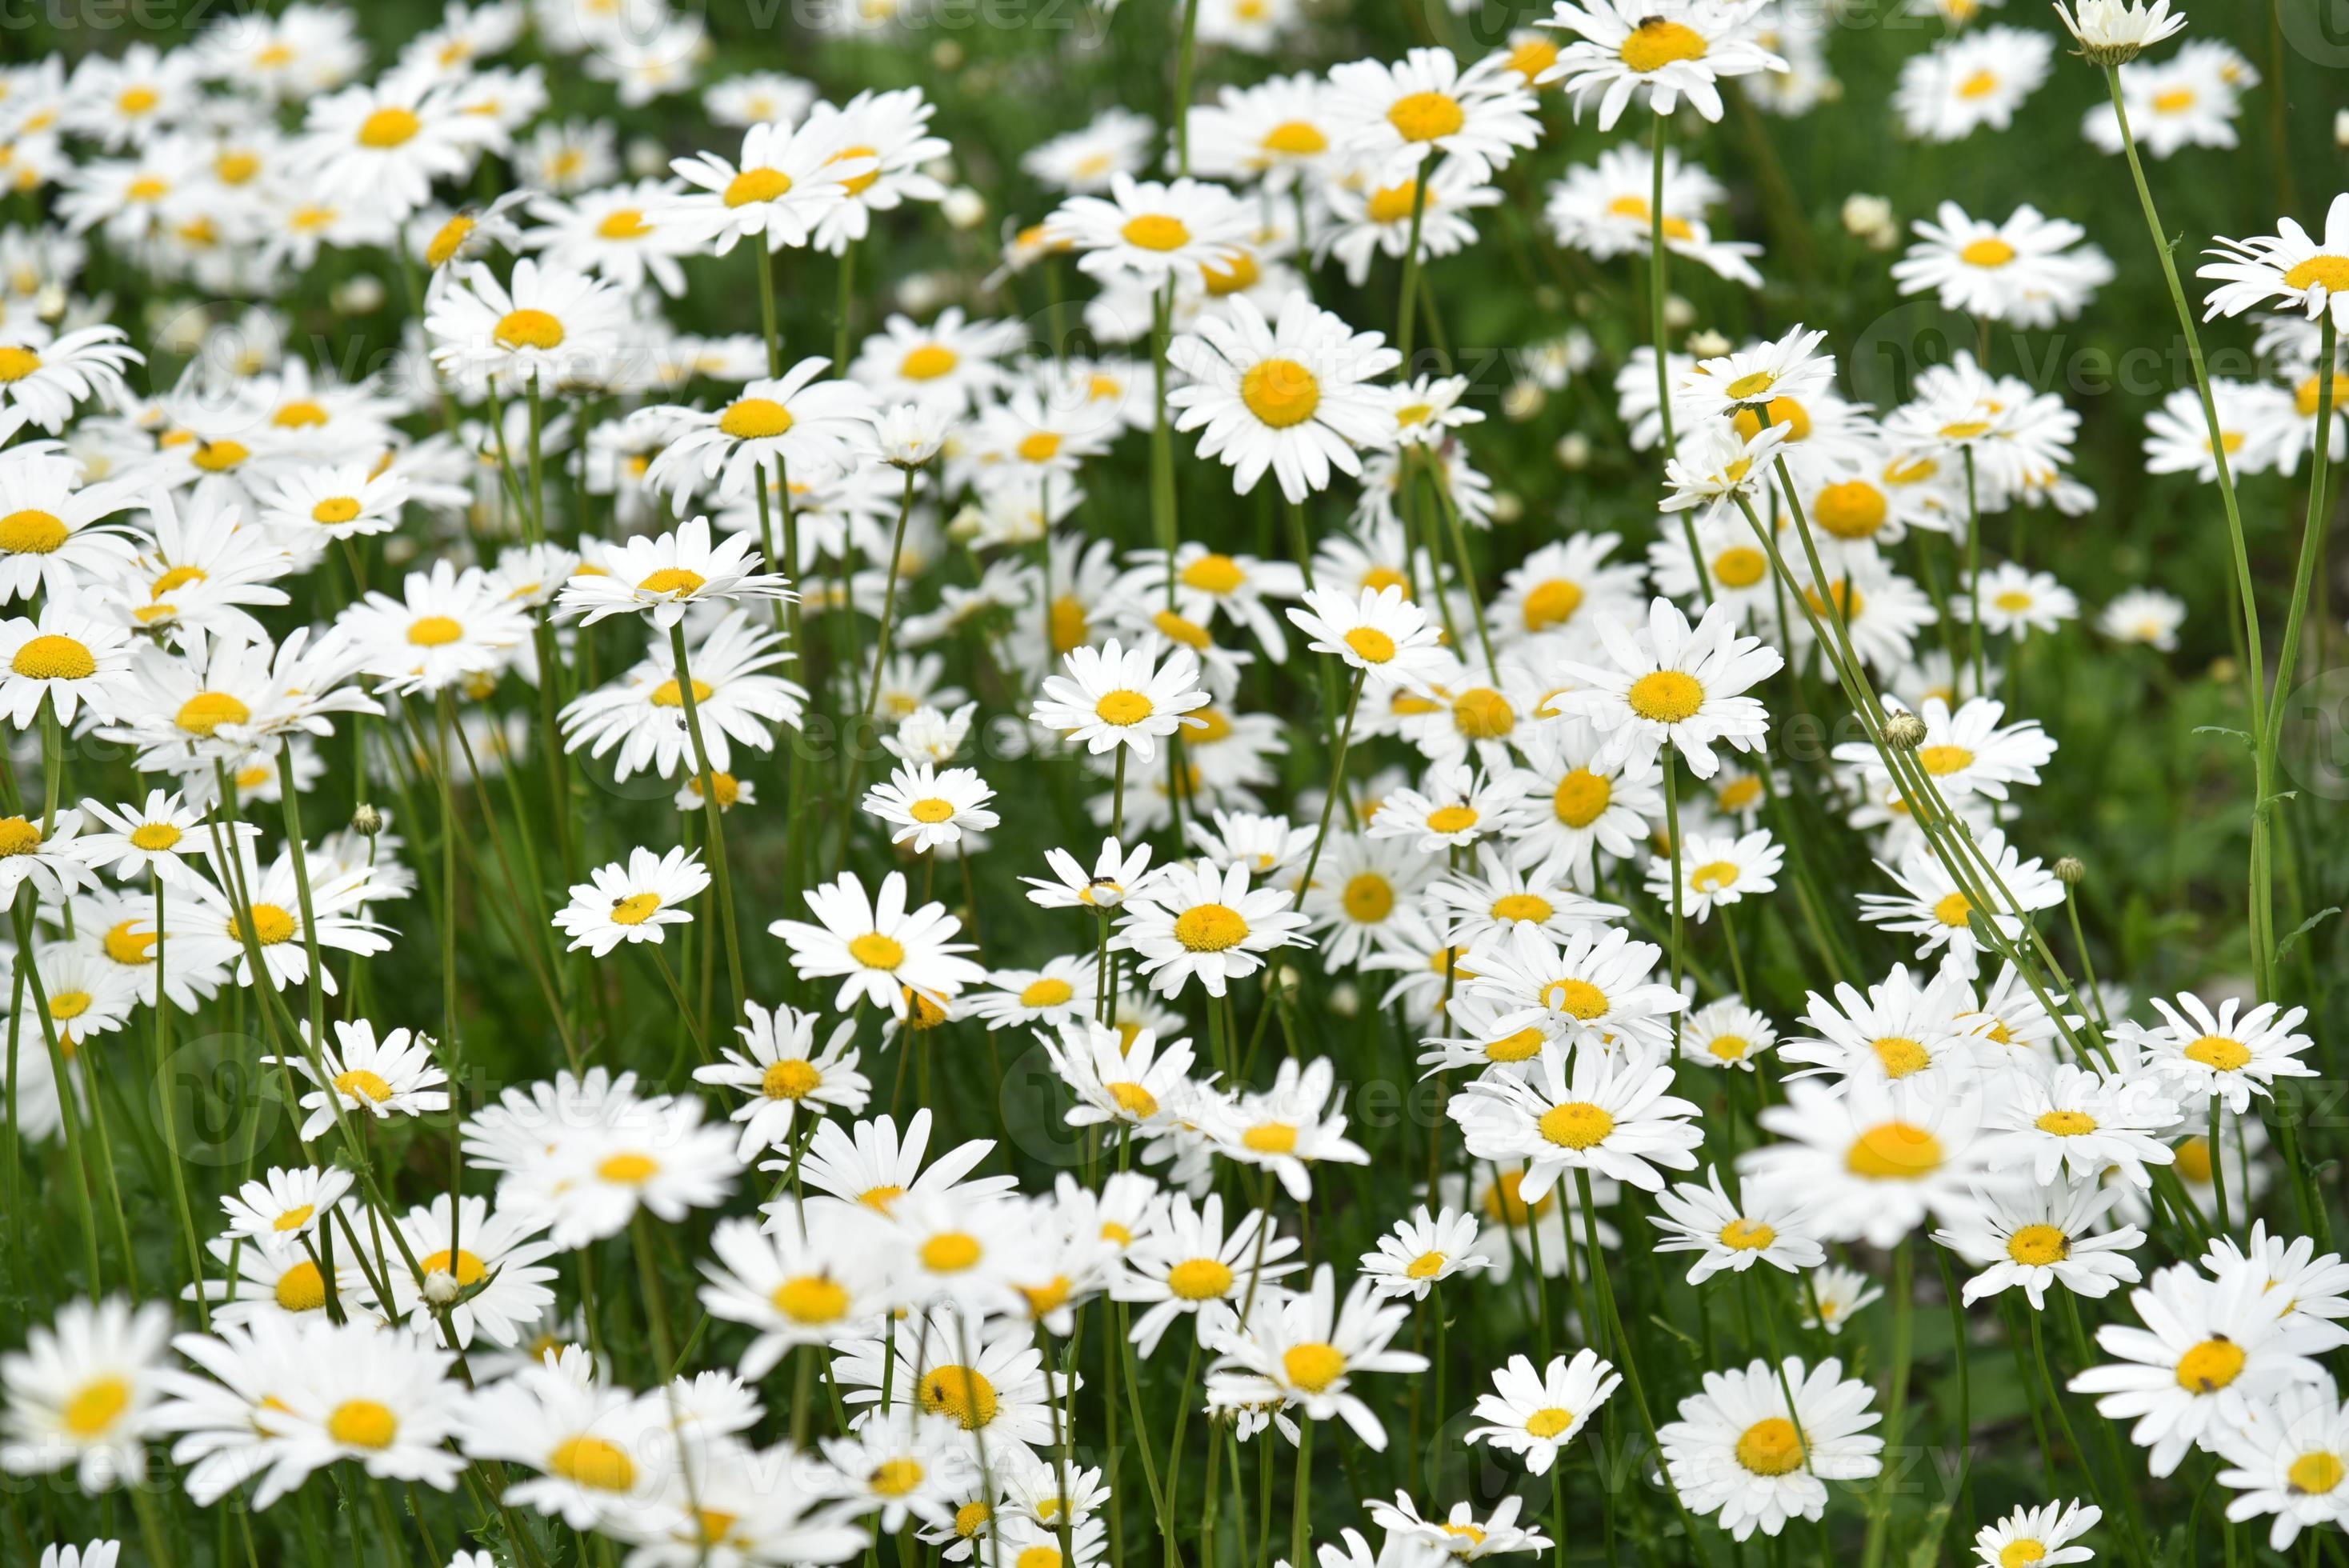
[(2304, 928)]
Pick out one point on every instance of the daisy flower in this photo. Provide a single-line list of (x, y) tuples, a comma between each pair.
[(1297, 1123), (1116, 873), (42, 377), (901, 1467), (2047, 1235), (1189, 1266), (1719, 869), (2084, 1124), (393, 1076), (1872, 1163), (2145, 615), (445, 628), (1380, 632), (1735, 1236), (1933, 909), (64, 659), (550, 326), (1397, 116), (1307, 1351), (1422, 1252), (2293, 1463), (1974, 79), (662, 576), (928, 808), (786, 181), (1111, 697), (1595, 989), (1293, 394), (1201, 921), (1458, 806), (2025, 271), (1671, 50), (2039, 1535), (382, 1398), (1726, 1034), (1535, 1413), (632, 901), (2204, 1053), (1610, 1114), (794, 425), (81, 1393), (794, 1281), (1120, 1079), (2015, 600), (1742, 1450), (54, 539), (277, 1210), (784, 1073), (1153, 231), (1459, 1536), (1677, 685), (2287, 270), (2210, 1351), (882, 951)]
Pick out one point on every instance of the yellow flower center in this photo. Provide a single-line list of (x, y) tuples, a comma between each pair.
[(93, 1411), (1666, 696), (1729, 1047), (434, 632), (67, 1005), (528, 328), (1852, 510), (1123, 706), (1743, 1235), (1713, 876), (1577, 1124), (2210, 1366), (19, 837), (389, 127), (334, 510), (1481, 713), (962, 1392), (1426, 116), (1427, 1265), (1157, 232), (1901, 1056), (793, 1078), (28, 532), (628, 1169), (361, 1083), (1953, 910), (593, 1463), (2067, 1123), (1770, 1447), (1394, 204), (928, 361), (1894, 1151), (932, 809), (1580, 997), (1281, 392), (876, 951), (754, 185), (1049, 992), (2038, 1247), (2328, 273), (635, 909), (302, 1288), (1295, 138), (1548, 1421), (1134, 1100), (1981, 84), (1213, 573), (2314, 1472), (754, 418), (294, 1219), (810, 1298), (1313, 1366), (1989, 252), (1657, 42), (462, 1266), (1210, 928), (1199, 1279), (672, 580), (668, 693), (1552, 603), (2219, 1053), (1270, 1137), (269, 925), (1369, 898), (1523, 1045), (1243, 273), (124, 946), (54, 658), (363, 1424), (1781, 411), (623, 224), (1371, 645), (951, 1252), (1581, 796)]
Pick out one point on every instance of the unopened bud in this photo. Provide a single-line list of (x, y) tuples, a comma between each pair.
[(1904, 732), (1574, 451), (440, 1287), (367, 821), (1707, 344), (2070, 871)]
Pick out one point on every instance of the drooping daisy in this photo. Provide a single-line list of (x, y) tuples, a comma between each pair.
[(1120, 1079), (632, 901), (1741, 1449)]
